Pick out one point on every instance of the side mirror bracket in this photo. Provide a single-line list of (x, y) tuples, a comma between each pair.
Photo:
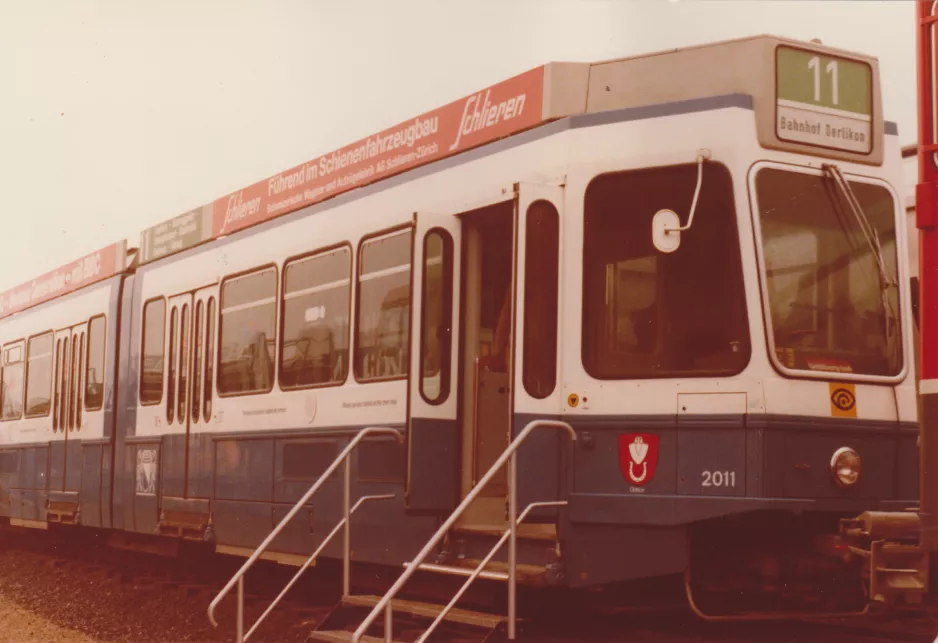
[(666, 226)]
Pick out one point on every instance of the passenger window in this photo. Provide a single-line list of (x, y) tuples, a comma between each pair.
[(183, 364), (197, 364), (316, 301), (72, 383), (209, 359), (12, 381), (248, 333), (542, 254), (151, 370), (56, 413), (39, 376), (436, 317), (383, 315), (63, 385), (94, 373), (648, 314), (79, 368), (173, 357)]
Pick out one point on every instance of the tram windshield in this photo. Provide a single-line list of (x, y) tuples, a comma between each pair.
[(830, 307)]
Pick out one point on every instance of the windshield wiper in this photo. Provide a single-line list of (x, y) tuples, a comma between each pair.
[(872, 239)]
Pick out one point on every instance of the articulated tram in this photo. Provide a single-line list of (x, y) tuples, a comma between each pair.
[(689, 258)]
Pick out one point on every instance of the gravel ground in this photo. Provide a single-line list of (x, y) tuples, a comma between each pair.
[(20, 625), (94, 595)]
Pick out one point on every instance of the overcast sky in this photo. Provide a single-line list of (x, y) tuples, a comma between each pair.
[(118, 114)]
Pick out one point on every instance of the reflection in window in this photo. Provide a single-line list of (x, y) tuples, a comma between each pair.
[(63, 384), (248, 333), (173, 357), (383, 307), (317, 292), (12, 381), (94, 375), (209, 359), (183, 363), (197, 364), (824, 287), (648, 314), (151, 371), (39, 376), (542, 247), (436, 316)]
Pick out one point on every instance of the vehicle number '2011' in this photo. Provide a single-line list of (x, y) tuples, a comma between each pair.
[(718, 479)]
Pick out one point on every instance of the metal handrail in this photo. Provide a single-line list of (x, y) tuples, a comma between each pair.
[(508, 455), (341, 458), (481, 566), (309, 561)]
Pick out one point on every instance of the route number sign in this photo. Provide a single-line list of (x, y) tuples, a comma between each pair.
[(823, 100)]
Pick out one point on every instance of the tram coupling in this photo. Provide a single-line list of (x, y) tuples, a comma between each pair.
[(896, 567)]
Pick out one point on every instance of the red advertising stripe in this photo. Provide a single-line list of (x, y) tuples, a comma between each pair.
[(92, 268), (508, 107)]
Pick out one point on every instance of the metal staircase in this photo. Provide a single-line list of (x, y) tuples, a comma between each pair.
[(345, 523), (389, 603)]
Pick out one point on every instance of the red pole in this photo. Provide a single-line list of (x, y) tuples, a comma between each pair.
[(925, 211)]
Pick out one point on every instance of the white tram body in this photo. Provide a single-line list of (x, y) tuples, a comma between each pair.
[(519, 280)]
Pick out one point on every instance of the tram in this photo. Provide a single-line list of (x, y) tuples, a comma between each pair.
[(678, 273)]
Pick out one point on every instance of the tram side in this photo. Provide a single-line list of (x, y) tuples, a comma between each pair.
[(59, 378)]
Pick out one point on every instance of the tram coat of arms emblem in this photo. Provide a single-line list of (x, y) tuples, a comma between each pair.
[(638, 457)]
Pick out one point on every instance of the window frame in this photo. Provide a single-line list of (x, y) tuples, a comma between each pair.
[(740, 257), (527, 374), (102, 316), (218, 335), (3, 349), (446, 362), (386, 232), (51, 333), (282, 317), (143, 344), (765, 306)]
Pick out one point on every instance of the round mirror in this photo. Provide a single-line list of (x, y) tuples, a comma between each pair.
[(664, 231)]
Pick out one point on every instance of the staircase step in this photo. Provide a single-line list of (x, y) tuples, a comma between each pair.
[(430, 610), (341, 635), (460, 571)]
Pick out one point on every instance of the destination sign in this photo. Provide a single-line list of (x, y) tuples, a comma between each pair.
[(179, 233), (93, 268), (503, 109), (823, 100)]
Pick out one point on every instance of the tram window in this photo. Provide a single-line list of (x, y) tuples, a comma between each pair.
[(209, 359), (648, 314), (56, 414), (39, 376), (63, 385), (183, 364), (12, 380), (436, 317), (94, 372), (72, 382), (316, 299), (542, 254), (383, 314), (77, 374), (173, 358), (197, 364), (828, 310), (151, 371), (248, 333)]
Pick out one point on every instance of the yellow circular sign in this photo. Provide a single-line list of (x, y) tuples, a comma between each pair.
[(573, 399)]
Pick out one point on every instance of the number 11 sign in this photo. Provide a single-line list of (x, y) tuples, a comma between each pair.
[(823, 100)]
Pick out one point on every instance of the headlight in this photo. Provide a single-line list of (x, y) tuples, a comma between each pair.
[(845, 467)]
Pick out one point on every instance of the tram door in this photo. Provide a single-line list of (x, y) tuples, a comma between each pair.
[(432, 428), (190, 342), (68, 400)]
